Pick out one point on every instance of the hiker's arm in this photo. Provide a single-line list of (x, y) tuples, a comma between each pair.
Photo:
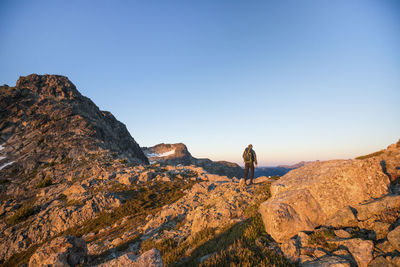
[(255, 158)]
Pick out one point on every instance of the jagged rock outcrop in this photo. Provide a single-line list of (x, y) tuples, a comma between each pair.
[(61, 251), (44, 119), (340, 194), (175, 154)]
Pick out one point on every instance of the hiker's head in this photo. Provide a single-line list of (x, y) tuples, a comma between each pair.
[(250, 146)]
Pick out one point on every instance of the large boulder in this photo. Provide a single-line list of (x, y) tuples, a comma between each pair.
[(315, 194), (61, 251), (361, 250)]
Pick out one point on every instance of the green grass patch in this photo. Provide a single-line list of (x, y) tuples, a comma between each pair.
[(371, 155), (44, 183), (21, 214), (21, 258), (263, 192), (241, 244), (146, 199)]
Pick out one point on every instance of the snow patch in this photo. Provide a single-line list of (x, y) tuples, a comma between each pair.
[(5, 165), (165, 154), (1, 147), (1, 157)]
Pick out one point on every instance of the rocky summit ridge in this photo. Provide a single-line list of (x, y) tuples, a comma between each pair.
[(77, 190), (178, 154), (44, 119)]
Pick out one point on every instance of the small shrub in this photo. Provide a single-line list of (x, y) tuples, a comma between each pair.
[(189, 174), (66, 160), (44, 183), (21, 214), (123, 161), (319, 239), (49, 164)]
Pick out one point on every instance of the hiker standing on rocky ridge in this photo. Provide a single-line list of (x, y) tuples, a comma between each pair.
[(250, 158)]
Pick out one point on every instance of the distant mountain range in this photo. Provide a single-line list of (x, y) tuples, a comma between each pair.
[(178, 154), (278, 170)]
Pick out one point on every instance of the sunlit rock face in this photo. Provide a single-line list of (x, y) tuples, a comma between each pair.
[(349, 194)]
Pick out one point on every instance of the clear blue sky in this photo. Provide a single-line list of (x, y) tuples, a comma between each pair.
[(300, 80)]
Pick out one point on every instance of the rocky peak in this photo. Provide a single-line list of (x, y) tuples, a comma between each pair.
[(49, 86), (45, 120), (178, 154)]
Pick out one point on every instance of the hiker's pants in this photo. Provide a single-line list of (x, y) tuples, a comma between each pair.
[(248, 166)]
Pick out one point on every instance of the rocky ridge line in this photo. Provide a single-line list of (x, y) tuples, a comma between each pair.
[(178, 154)]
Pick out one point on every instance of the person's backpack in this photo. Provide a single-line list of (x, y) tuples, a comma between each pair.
[(247, 155)]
